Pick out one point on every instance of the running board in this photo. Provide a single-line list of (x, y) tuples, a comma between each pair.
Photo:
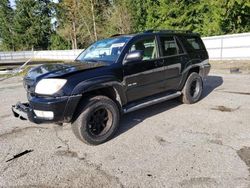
[(150, 102)]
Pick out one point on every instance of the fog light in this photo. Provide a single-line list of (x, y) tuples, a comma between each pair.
[(44, 114)]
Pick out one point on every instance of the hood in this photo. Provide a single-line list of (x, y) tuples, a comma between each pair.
[(61, 69)]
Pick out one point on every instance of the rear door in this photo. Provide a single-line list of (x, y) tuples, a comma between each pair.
[(174, 56)]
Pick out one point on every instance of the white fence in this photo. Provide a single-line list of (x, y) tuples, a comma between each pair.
[(225, 47), (57, 54), (39, 55), (228, 47)]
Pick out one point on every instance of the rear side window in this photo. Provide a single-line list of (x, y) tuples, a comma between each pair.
[(169, 46), (194, 43)]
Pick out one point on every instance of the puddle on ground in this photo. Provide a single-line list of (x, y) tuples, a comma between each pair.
[(225, 109)]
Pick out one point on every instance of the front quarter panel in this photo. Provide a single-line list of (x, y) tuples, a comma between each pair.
[(99, 83)]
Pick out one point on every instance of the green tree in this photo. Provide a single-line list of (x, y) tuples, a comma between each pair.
[(6, 30), (201, 16), (139, 13), (32, 24), (235, 16), (207, 17), (68, 19), (81, 21), (58, 43), (119, 18)]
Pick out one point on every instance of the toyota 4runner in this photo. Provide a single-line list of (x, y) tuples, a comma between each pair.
[(115, 76)]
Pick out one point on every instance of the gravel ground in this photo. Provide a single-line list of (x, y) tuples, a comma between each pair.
[(206, 144), (243, 66)]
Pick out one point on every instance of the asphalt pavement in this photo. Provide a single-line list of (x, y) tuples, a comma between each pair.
[(206, 144)]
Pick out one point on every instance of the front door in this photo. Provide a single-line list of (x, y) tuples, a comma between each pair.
[(140, 77)]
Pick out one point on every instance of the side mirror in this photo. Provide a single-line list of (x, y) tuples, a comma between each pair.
[(136, 55)]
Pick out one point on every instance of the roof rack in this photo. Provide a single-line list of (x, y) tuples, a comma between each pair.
[(116, 35), (167, 31)]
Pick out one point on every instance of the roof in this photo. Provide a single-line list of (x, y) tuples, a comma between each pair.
[(182, 32)]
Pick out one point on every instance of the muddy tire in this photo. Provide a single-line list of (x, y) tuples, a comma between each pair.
[(192, 91), (97, 119)]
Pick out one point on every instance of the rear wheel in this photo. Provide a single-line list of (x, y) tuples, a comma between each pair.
[(97, 120), (191, 93)]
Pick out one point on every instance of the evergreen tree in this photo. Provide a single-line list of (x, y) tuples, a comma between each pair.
[(201, 16), (32, 24), (6, 31), (235, 16), (139, 14), (207, 17), (81, 22), (58, 43)]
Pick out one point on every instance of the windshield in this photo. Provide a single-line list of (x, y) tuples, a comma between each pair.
[(107, 50)]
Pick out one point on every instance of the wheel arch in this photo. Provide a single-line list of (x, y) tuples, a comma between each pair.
[(103, 86), (111, 91), (187, 72)]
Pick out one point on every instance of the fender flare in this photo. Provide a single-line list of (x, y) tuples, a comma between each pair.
[(185, 74), (101, 83)]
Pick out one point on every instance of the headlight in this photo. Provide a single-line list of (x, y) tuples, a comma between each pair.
[(49, 86)]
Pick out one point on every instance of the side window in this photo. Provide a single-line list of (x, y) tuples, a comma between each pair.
[(194, 43), (148, 46), (169, 46)]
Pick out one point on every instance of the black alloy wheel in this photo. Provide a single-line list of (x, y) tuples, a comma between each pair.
[(99, 121), (96, 120)]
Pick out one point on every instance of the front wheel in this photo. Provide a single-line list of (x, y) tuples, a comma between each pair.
[(97, 120), (191, 93)]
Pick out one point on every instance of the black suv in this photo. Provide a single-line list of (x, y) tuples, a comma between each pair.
[(115, 76)]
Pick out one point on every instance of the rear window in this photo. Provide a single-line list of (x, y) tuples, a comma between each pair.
[(194, 43)]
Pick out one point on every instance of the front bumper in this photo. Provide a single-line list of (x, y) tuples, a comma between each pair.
[(21, 110), (63, 109)]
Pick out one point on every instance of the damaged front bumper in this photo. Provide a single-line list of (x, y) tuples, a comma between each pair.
[(21, 110), (25, 112), (50, 110)]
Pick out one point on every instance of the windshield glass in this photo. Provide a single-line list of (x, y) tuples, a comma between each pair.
[(107, 50)]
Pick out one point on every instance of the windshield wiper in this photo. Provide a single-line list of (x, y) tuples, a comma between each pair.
[(90, 61)]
